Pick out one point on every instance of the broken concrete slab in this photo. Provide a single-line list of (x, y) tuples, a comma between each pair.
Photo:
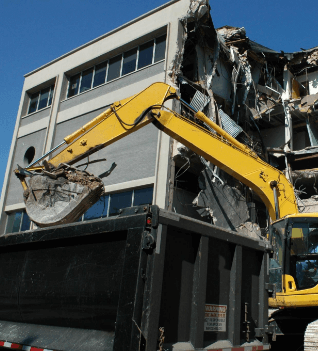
[(225, 205)]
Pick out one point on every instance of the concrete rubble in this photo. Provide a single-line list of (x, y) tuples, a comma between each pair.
[(266, 99)]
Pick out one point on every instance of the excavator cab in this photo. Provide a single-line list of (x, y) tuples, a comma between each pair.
[(294, 262)]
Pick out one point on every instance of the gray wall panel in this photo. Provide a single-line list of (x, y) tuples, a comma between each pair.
[(35, 117), (117, 84), (68, 127), (15, 192), (135, 155)]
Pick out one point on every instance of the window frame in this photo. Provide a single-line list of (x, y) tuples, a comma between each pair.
[(154, 40), (118, 192), (23, 213), (39, 92)]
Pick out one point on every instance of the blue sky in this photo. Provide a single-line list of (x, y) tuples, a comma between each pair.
[(34, 32)]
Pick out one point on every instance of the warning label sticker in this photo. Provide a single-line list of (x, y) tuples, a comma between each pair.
[(215, 318)]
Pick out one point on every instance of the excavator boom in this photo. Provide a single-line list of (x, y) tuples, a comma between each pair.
[(74, 192)]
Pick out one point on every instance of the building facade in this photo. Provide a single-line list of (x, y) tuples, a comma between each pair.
[(61, 96)]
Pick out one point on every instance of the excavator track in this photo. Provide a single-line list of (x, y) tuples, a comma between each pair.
[(61, 196)]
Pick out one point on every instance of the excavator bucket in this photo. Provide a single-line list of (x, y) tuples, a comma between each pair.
[(61, 196)]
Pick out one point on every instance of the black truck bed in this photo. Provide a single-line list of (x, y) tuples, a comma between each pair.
[(110, 284)]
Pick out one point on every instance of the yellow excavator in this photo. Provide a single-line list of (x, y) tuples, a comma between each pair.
[(56, 192)]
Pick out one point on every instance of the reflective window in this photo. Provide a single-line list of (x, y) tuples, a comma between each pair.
[(98, 210), (276, 262), (44, 97), (26, 222), (109, 205), (145, 54), (306, 273), (18, 222), (160, 48), (34, 102), (114, 68), (119, 201), (41, 99), (100, 74), (74, 85), (143, 196), (129, 62), (86, 82), (304, 254)]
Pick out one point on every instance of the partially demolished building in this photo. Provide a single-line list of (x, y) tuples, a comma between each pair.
[(266, 99)]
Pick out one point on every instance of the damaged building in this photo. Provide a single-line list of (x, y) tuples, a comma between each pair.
[(267, 100)]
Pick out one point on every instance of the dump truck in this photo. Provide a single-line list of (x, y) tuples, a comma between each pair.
[(56, 192), (146, 279)]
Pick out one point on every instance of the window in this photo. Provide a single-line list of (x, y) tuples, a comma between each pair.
[(127, 62), (145, 54), (74, 84), (29, 156), (114, 68), (98, 210), (160, 48), (100, 74), (87, 77), (18, 221), (143, 196), (304, 254), (41, 99), (109, 205)]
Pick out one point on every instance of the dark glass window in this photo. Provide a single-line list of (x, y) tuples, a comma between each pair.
[(74, 85), (276, 262), (160, 48), (114, 68), (44, 98), (117, 66), (145, 54), (41, 99), (86, 82), (17, 222), (98, 210), (34, 102), (26, 222), (118, 201), (304, 254), (100, 74), (129, 62), (143, 196), (29, 156)]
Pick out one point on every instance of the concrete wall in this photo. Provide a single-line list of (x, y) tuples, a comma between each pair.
[(15, 192)]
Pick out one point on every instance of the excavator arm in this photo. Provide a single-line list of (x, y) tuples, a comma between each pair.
[(123, 118)]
